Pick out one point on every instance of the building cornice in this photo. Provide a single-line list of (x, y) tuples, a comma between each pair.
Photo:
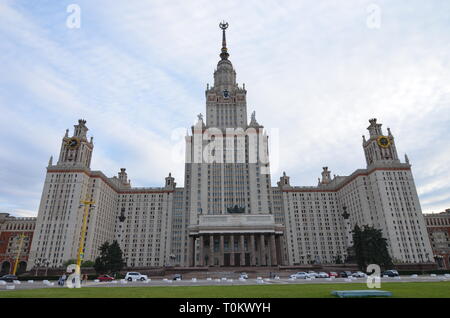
[(101, 175), (336, 188)]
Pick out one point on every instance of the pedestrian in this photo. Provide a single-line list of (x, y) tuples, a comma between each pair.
[(63, 279)]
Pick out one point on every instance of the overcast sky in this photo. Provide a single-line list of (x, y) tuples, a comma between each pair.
[(315, 72)]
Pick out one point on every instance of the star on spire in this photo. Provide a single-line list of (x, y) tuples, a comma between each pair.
[(224, 55)]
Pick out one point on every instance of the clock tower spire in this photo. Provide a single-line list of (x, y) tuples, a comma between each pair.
[(76, 151), (226, 104), (224, 52), (379, 148)]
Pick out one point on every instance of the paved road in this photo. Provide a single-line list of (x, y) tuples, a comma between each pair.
[(221, 282)]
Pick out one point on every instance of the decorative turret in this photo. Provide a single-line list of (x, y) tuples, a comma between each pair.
[(81, 129), (374, 128), (253, 122), (170, 182), (123, 178), (325, 176), (284, 181), (379, 148), (76, 151)]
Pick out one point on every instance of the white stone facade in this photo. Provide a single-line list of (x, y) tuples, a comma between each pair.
[(228, 213)]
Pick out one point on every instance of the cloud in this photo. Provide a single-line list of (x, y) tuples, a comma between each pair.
[(136, 71)]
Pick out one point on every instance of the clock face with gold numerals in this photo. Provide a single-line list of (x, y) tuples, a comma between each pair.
[(383, 141), (73, 143)]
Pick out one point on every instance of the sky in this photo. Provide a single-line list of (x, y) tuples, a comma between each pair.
[(315, 73)]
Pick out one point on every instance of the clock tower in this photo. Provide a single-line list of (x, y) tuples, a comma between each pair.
[(76, 151), (379, 148)]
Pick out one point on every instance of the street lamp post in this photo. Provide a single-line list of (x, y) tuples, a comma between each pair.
[(37, 263), (172, 258), (46, 264)]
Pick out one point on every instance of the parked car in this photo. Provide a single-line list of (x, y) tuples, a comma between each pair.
[(243, 276), (8, 278), (333, 274), (300, 275), (345, 274), (134, 276), (177, 277), (359, 274), (105, 278), (312, 274), (391, 273), (322, 275)]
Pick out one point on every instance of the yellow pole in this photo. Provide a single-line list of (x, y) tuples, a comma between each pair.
[(21, 237), (87, 204)]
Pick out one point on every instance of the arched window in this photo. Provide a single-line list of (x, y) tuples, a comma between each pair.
[(5, 268)]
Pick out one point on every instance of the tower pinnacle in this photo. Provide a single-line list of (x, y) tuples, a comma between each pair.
[(224, 52)]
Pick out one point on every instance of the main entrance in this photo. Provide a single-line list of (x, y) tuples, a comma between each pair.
[(236, 240), (237, 260)]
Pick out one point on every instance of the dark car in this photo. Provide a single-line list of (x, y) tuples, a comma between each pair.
[(345, 274), (177, 277), (8, 278), (391, 273), (105, 278)]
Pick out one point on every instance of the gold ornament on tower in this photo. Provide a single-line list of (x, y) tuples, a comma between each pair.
[(383, 141)]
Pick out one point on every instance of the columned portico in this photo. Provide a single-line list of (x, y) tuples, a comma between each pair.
[(211, 251), (231, 250), (252, 250), (236, 240), (221, 250), (262, 250)]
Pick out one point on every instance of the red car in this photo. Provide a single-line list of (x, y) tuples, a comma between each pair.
[(105, 278), (333, 274)]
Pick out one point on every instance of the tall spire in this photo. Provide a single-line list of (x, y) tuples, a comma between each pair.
[(224, 52)]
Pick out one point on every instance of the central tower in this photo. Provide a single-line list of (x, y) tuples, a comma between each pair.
[(227, 179)]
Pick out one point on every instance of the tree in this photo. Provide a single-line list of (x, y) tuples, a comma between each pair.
[(369, 247), (87, 264), (100, 264), (116, 262), (74, 261), (338, 259), (110, 259)]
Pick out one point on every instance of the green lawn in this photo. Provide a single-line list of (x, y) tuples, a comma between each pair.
[(404, 290)]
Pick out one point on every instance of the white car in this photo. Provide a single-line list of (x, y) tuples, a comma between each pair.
[(359, 275), (313, 274), (299, 275), (322, 275), (243, 276), (135, 276)]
